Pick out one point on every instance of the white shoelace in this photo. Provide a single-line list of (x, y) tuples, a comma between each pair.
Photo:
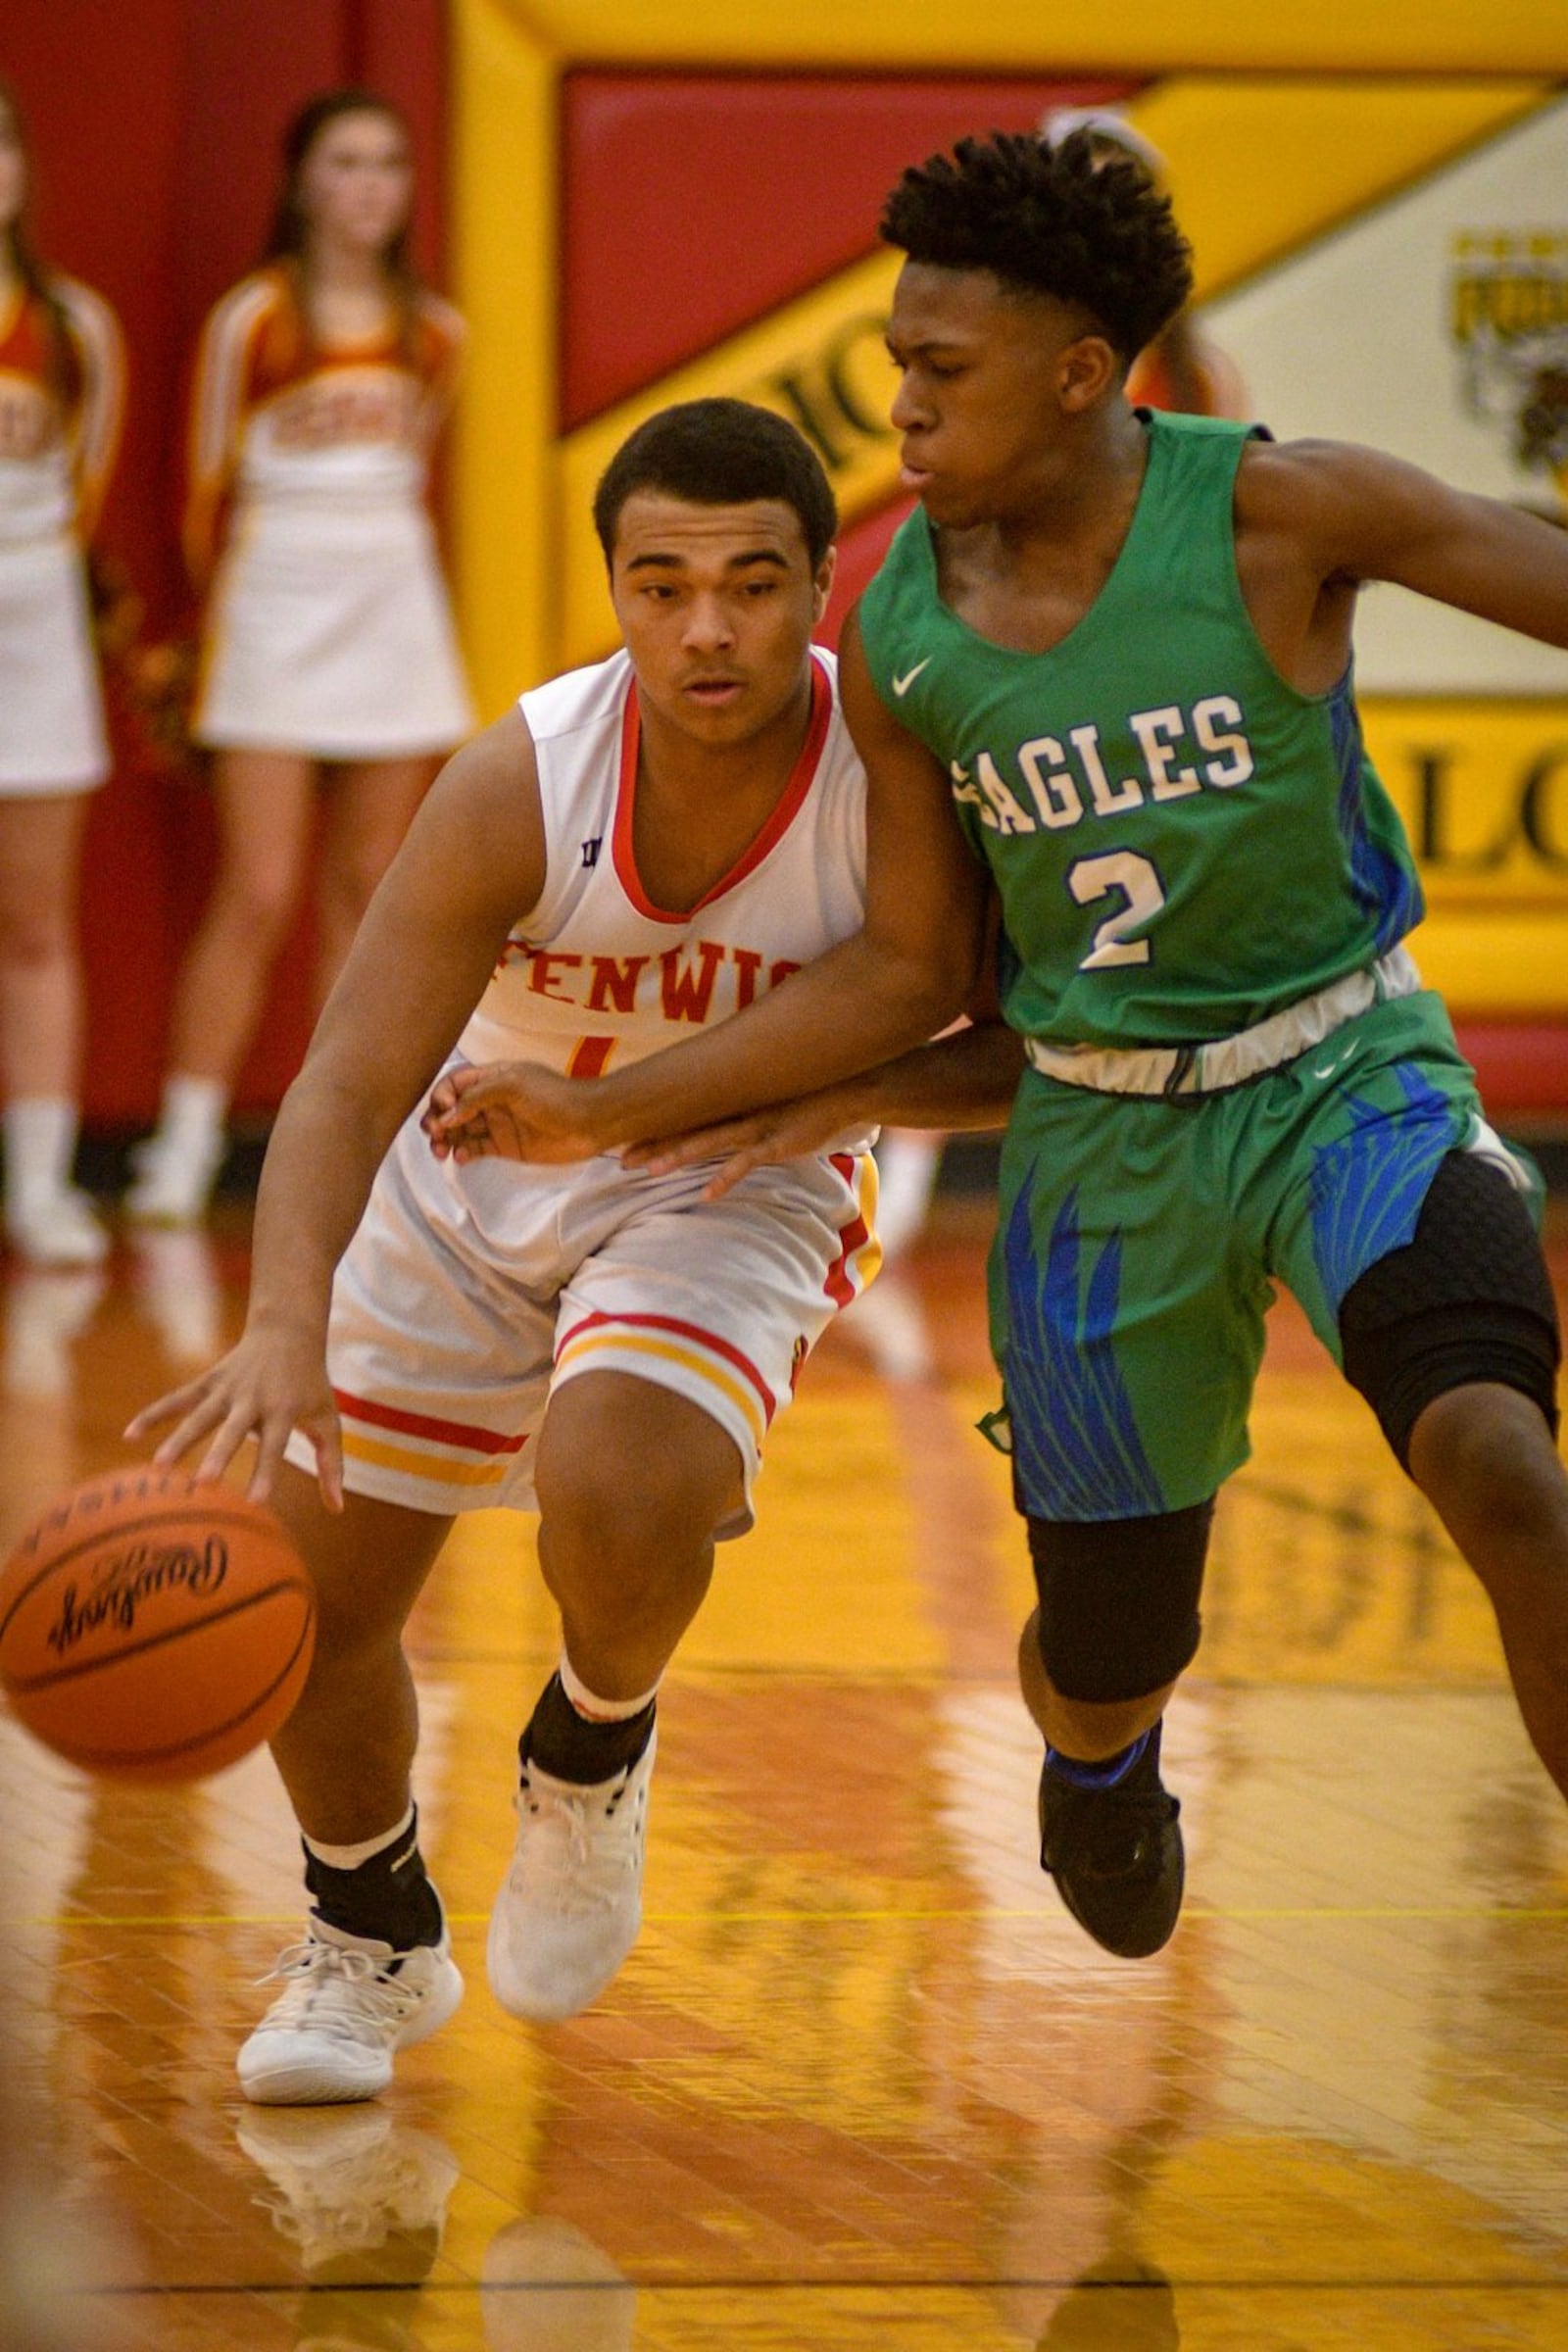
[(581, 1847), (347, 1993)]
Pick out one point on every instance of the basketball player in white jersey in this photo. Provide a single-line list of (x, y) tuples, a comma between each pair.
[(632, 854)]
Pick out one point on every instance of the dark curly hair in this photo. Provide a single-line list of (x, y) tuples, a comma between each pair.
[(720, 452), (1070, 221)]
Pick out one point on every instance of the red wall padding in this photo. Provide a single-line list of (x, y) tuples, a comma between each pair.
[(693, 203), (155, 131)]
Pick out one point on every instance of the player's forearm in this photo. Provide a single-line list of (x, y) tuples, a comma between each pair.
[(321, 1163), (965, 1081), (849, 1011), (1508, 565)]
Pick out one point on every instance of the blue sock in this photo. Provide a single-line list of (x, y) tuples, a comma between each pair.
[(1108, 1773)]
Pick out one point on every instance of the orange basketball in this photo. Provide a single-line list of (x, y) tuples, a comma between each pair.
[(153, 1629)]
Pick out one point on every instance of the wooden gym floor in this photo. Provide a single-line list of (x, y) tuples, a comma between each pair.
[(863, 2083)]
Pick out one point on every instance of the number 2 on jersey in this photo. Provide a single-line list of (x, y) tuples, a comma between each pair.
[(1134, 881)]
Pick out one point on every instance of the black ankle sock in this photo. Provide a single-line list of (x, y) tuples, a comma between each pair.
[(389, 1899), (569, 1747)]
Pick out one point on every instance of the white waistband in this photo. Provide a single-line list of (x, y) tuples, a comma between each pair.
[(1227, 1061)]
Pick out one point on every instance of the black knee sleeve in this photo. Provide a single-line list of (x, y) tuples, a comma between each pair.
[(1468, 1298), (1118, 1600)]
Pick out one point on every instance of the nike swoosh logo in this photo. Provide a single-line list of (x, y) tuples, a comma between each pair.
[(901, 686)]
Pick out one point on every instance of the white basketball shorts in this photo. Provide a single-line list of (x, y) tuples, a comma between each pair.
[(470, 1294)]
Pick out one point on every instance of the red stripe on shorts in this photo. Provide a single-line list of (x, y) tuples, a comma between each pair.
[(854, 1236), (687, 1331), (425, 1425)]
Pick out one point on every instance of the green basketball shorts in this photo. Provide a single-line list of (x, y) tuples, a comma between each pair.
[(1140, 1240)]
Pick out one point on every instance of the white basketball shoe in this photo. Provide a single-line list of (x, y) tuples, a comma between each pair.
[(347, 2006), (570, 1905)]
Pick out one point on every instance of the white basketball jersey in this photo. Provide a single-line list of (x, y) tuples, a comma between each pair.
[(597, 976)]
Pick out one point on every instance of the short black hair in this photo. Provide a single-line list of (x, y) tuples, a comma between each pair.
[(720, 453), (1087, 228)]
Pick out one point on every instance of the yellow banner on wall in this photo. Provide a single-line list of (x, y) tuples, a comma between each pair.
[(1483, 790)]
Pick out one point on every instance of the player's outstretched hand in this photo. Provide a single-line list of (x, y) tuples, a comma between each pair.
[(512, 1110), (761, 1139), (271, 1382)]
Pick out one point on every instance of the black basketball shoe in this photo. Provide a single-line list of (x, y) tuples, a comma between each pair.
[(1116, 1855)]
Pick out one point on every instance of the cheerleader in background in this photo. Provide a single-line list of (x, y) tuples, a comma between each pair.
[(62, 386), (329, 652)]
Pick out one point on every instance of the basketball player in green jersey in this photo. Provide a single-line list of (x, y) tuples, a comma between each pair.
[(1124, 639)]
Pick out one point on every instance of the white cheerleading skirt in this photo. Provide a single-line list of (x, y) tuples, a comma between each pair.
[(52, 736), (329, 635)]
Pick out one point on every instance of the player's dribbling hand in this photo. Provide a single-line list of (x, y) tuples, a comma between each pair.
[(272, 1382), (512, 1110), (760, 1139)]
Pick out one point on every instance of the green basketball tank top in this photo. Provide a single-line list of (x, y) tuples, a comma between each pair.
[(1183, 843)]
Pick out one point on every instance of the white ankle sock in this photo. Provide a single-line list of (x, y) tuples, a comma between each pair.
[(40, 1146), (349, 1857), (594, 1709), (190, 1117)]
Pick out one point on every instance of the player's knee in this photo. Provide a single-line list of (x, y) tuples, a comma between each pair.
[(1487, 1457), (352, 1632), (1406, 1367), (1119, 1614), (1467, 1302), (622, 1526)]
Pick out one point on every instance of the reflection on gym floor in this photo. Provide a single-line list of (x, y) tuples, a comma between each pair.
[(862, 2083)]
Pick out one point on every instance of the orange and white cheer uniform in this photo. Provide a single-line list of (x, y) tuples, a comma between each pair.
[(470, 1293), (62, 394), (329, 631)]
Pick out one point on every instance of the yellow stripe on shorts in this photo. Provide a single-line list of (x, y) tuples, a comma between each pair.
[(438, 1467), (624, 1342)]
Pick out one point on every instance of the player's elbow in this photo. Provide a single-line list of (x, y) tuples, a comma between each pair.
[(960, 973), (926, 991), (343, 1093), (950, 994)]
